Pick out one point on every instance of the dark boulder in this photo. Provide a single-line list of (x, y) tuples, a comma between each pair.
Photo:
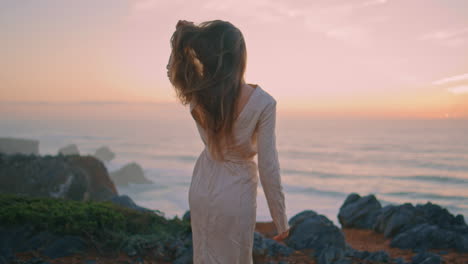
[(71, 149), (461, 244), (378, 256), (425, 257), (300, 216), (264, 248), (317, 232), (424, 226), (104, 154), (71, 177), (375, 256), (23, 238), (371, 257), (65, 246), (436, 215), (100, 185), (130, 173), (394, 219), (275, 249), (12, 240), (359, 212), (426, 236), (37, 241)]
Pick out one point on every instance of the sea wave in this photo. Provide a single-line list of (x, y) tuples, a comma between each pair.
[(429, 196), (433, 178), (315, 191), (316, 173)]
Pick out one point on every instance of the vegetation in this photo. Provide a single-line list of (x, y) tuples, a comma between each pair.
[(104, 223)]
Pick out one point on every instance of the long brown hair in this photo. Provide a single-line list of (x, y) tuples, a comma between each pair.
[(208, 65)]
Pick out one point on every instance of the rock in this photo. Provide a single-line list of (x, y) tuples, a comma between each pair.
[(426, 258), (34, 260), (275, 249), (378, 256), (436, 215), (330, 254), (317, 232), (399, 260), (71, 149), (264, 247), (460, 220), (359, 212), (65, 246), (359, 254), (37, 241), (394, 219), (130, 173), (6, 252), (371, 257), (300, 216), (19, 146), (12, 240), (104, 154), (426, 236), (77, 178), (100, 185), (344, 261), (259, 246), (461, 245), (421, 227), (126, 201)]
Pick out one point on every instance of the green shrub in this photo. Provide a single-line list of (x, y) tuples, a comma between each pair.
[(102, 222)]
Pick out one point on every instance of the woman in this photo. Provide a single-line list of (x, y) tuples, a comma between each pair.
[(235, 120)]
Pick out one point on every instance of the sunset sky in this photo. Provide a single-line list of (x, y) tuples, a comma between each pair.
[(385, 57)]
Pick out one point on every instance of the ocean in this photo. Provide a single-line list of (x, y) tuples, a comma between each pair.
[(322, 161)]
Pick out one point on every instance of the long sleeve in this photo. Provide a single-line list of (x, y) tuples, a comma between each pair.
[(269, 167)]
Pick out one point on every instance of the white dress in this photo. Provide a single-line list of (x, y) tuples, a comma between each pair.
[(222, 195)]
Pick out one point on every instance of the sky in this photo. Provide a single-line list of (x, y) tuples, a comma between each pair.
[(381, 58)]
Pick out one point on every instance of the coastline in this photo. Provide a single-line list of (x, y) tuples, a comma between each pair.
[(66, 209)]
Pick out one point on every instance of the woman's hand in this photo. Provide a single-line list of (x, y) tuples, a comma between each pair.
[(281, 236)]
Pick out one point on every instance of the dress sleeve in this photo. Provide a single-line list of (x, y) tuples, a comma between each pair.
[(269, 167)]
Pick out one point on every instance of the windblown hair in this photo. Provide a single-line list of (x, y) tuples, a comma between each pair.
[(208, 65)]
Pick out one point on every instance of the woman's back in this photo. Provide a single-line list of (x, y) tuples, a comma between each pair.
[(222, 195)]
